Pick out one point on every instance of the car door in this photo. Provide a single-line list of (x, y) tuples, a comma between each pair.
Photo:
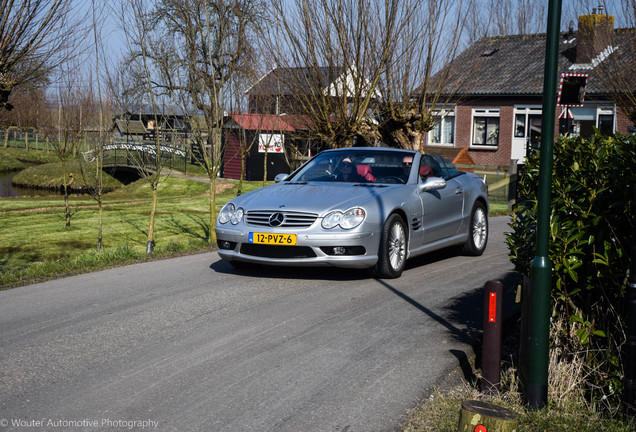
[(442, 208)]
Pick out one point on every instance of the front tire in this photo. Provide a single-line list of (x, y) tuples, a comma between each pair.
[(392, 251), (477, 231)]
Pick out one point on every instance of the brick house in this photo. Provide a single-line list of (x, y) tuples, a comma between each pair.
[(280, 90), (496, 92)]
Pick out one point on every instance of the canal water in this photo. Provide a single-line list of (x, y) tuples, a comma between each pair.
[(8, 190)]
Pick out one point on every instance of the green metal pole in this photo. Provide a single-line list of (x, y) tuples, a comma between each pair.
[(539, 329)]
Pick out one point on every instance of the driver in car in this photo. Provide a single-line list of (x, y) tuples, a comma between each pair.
[(347, 172)]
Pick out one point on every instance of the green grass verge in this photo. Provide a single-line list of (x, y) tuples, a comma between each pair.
[(51, 176), (499, 208), (35, 244), (440, 413), (11, 155)]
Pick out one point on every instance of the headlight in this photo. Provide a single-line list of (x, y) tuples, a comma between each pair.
[(229, 213), (347, 220), (237, 216)]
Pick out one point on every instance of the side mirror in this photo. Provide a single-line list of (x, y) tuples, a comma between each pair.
[(433, 183), (280, 177)]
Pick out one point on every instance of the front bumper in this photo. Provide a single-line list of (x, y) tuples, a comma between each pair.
[(353, 249)]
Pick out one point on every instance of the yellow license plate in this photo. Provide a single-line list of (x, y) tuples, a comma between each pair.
[(273, 239)]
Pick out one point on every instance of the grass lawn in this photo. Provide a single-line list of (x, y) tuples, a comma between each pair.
[(35, 244), (29, 157)]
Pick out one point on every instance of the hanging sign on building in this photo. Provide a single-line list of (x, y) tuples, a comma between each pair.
[(572, 90), (272, 142)]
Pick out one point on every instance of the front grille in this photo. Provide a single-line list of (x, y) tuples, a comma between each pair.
[(269, 251), (292, 219)]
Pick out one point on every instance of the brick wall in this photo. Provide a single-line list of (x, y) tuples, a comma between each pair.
[(500, 155), (495, 156), (622, 122)]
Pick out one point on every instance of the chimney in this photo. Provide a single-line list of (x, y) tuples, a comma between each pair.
[(594, 35)]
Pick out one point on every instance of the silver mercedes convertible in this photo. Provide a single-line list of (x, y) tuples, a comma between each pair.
[(357, 208)]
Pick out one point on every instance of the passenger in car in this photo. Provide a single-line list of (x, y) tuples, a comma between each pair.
[(407, 162), (347, 171)]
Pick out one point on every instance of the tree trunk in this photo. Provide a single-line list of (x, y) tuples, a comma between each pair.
[(66, 205), (99, 226), (265, 167), (212, 234), (240, 185), (151, 227), (67, 180), (491, 418)]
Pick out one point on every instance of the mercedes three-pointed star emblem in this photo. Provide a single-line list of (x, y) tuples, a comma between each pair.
[(276, 219)]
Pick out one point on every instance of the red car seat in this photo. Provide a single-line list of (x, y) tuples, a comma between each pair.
[(426, 172), (365, 171)]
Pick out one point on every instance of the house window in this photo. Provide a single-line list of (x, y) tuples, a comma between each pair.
[(581, 121), (443, 132), (486, 127), (528, 125)]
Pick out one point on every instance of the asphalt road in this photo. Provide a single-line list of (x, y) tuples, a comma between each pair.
[(191, 344)]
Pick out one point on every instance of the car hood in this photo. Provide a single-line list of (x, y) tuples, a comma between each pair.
[(319, 198)]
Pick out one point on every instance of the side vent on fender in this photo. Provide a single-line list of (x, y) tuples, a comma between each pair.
[(416, 224)]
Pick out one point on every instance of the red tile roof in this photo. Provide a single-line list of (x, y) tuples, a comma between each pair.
[(262, 122)]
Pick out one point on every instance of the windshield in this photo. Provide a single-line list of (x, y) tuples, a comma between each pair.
[(357, 166)]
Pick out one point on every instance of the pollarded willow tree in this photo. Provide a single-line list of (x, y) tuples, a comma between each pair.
[(35, 37), (328, 57), (413, 88), (361, 71), (199, 50)]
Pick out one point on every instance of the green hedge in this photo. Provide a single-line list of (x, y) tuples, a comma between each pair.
[(592, 218)]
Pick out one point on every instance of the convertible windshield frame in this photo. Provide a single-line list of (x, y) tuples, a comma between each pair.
[(390, 166)]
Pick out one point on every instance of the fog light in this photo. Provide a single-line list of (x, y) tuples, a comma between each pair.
[(224, 244), (339, 250)]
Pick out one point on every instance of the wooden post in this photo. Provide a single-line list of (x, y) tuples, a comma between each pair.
[(478, 416), (491, 345)]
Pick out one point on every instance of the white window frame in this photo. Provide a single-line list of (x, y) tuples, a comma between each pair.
[(526, 110), (599, 110), (440, 115), (484, 112), (605, 110)]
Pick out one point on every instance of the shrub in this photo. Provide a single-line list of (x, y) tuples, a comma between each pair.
[(592, 217)]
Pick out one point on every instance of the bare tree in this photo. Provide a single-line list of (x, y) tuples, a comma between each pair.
[(413, 85), (504, 17), (34, 38), (198, 48), (92, 168), (362, 70), (138, 28), (30, 106), (329, 56), (70, 125), (617, 71)]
